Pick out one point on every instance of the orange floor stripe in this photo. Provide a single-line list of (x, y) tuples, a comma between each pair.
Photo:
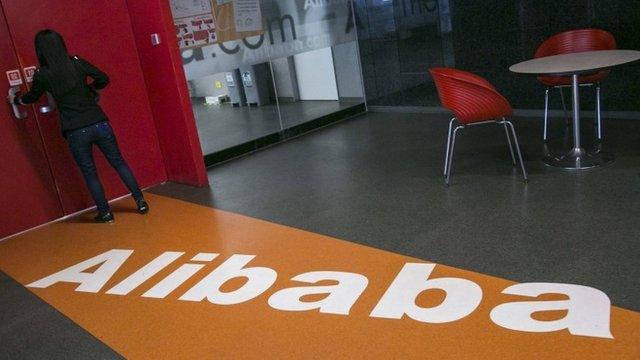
[(144, 323)]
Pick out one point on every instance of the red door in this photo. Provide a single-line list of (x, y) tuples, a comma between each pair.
[(99, 31), (28, 194)]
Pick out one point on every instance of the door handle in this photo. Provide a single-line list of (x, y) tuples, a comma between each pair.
[(17, 112), (49, 107)]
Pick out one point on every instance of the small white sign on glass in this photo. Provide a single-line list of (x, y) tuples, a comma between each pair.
[(188, 8), (247, 15)]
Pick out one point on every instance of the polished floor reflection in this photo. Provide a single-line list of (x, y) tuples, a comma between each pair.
[(223, 126)]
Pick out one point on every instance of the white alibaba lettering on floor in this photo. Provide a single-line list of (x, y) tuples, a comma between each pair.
[(587, 309)]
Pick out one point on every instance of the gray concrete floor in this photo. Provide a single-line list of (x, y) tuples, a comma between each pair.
[(377, 180), (32, 329)]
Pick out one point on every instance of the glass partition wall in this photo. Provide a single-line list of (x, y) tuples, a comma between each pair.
[(295, 68), (401, 39)]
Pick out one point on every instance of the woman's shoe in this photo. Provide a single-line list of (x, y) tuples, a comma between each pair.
[(143, 207), (104, 218)]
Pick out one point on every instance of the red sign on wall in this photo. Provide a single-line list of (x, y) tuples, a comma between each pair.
[(14, 77), (29, 72)]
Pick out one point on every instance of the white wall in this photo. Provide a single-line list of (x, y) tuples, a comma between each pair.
[(206, 86), (316, 75)]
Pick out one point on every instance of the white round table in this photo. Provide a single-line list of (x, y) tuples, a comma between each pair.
[(576, 64)]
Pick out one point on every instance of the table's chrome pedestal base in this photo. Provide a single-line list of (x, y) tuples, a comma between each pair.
[(578, 159)]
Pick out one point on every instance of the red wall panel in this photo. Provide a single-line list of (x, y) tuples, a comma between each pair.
[(28, 195), (147, 102), (101, 32), (168, 92)]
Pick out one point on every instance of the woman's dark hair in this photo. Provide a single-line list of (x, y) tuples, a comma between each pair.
[(55, 61)]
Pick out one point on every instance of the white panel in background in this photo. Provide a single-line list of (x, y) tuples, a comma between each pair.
[(316, 75)]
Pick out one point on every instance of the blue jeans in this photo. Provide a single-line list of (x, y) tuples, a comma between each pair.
[(81, 143)]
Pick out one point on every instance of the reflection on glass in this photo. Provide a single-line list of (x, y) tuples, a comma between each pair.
[(302, 64), (322, 81), (234, 107), (315, 59), (403, 39)]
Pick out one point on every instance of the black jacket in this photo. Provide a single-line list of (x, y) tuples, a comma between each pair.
[(79, 106)]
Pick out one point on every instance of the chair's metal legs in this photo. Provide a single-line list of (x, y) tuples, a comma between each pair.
[(546, 114), (451, 143), (446, 155), (598, 114), (515, 140), (564, 106), (513, 158), (545, 135), (450, 156)]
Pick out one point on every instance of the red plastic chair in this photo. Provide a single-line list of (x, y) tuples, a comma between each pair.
[(571, 42), (473, 101)]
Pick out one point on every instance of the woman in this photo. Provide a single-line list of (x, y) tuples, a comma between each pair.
[(83, 122)]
